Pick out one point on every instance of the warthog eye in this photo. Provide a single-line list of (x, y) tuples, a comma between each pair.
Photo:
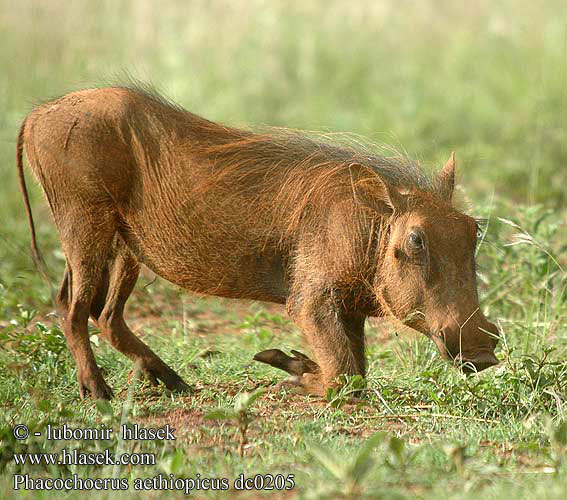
[(415, 241), (481, 225)]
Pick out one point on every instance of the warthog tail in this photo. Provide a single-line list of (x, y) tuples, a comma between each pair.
[(37, 257)]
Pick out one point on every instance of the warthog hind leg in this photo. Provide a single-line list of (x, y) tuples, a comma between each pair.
[(82, 279), (123, 275)]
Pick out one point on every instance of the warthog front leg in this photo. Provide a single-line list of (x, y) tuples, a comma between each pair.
[(298, 365), (304, 372), (336, 339)]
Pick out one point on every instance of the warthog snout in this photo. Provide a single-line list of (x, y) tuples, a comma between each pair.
[(480, 362), (472, 348)]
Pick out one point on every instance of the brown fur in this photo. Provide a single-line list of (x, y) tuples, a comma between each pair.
[(276, 216)]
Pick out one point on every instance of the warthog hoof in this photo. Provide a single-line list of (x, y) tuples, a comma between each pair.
[(155, 369), (94, 386), (298, 365), (305, 372)]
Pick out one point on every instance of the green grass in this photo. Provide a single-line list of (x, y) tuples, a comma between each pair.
[(488, 81)]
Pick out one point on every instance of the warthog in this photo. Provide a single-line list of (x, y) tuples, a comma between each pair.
[(334, 232)]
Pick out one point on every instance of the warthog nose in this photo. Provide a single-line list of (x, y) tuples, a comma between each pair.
[(478, 363)]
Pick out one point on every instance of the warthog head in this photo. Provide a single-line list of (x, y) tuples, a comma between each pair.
[(428, 273)]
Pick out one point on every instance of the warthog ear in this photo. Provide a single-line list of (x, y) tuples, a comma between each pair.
[(446, 181), (394, 200), (375, 193)]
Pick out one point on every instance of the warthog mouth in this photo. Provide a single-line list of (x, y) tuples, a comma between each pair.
[(472, 363), (480, 362)]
